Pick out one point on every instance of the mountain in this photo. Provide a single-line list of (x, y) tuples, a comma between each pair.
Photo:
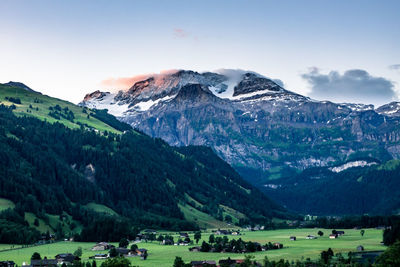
[(57, 170), (263, 130)]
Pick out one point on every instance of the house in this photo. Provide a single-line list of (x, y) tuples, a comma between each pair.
[(66, 258), (140, 237), (7, 264), (333, 236), (195, 249), (222, 232), (340, 233), (235, 233), (44, 263), (311, 237), (141, 251), (230, 262), (122, 251), (150, 231), (99, 256), (102, 246), (278, 245), (203, 263), (167, 242), (183, 235), (293, 238), (183, 243), (360, 248)]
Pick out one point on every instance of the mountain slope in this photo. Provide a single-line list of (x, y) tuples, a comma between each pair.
[(358, 187), (30, 103), (52, 169)]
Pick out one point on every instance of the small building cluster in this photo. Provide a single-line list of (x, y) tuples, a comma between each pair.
[(227, 232)]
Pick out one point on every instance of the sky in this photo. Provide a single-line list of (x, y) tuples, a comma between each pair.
[(343, 50)]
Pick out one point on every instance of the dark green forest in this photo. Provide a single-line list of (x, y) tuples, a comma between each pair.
[(44, 169), (370, 190)]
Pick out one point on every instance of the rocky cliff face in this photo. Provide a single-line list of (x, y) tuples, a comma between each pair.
[(260, 128)]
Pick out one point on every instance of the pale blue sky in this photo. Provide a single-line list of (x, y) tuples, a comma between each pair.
[(67, 48)]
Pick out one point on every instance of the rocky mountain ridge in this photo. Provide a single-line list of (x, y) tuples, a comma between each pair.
[(260, 128)]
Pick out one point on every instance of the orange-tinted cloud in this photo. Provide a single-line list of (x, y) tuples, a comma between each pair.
[(127, 82)]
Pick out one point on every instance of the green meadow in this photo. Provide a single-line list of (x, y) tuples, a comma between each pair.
[(40, 108), (160, 255)]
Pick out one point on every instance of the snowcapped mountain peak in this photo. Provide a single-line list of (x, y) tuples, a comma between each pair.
[(235, 85), (392, 109)]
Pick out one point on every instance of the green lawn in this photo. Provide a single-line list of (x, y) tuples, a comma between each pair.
[(164, 255)]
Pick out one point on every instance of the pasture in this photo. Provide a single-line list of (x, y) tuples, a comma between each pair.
[(161, 256)]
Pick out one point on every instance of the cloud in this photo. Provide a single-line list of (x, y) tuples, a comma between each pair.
[(355, 85), (236, 74), (279, 82), (180, 33), (122, 83), (395, 67)]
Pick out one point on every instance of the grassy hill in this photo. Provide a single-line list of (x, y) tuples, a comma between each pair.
[(203, 220), (30, 103)]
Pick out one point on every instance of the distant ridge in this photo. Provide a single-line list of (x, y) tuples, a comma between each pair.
[(20, 85)]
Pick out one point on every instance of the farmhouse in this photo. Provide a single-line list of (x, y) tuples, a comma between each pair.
[(293, 238), (340, 233), (66, 258), (141, 251), (229, 262), (222, 232), (278, 245), (150, 231), (99, 256), (333, 236), (167, 242), (44, 263), (203, 263), (7, 264), (122, 251), (195, 249), (102, 246), (183, 235), (311, 237)]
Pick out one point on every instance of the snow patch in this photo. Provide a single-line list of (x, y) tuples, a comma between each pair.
[(358, 163), (108, 102)]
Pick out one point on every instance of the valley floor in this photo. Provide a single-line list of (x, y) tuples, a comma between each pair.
[(161, 256)]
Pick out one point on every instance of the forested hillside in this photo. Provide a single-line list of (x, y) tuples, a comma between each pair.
[(359, 190), (52, 169)]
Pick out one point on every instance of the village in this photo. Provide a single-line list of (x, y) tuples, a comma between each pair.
[(216, 241)]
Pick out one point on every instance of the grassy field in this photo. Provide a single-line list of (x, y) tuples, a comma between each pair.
[(101, 208), (42, 103), (164, 255), (200, 218)]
